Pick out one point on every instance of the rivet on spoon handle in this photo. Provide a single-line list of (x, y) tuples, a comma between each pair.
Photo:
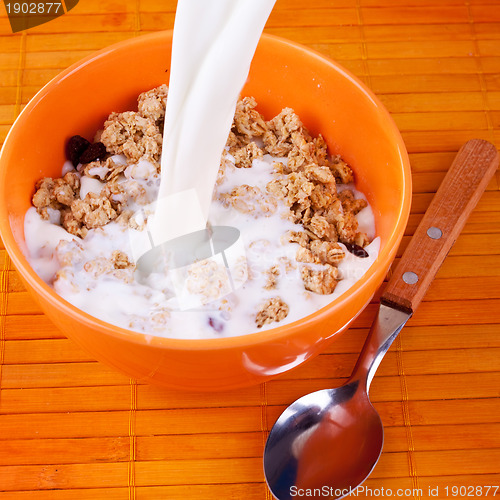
[(458, 194)]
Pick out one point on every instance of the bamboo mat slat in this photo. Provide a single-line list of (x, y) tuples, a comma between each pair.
[(73, 429)]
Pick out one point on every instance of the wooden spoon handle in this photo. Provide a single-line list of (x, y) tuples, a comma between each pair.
[(458, 194)]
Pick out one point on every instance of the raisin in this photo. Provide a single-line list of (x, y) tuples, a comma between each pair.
[(93, 152), (217, 325), (356, 250), (75, 148)]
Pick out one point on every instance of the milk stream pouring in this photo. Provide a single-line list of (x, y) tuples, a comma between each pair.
[(213, 46)]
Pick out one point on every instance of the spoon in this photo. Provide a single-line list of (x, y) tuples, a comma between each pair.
[(328, 442)]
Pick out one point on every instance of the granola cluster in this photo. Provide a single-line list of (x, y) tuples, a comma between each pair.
[(208, 279), (76, 215), (118, 266), (272, 310), (250, 199), (138, 134), (132, 135)]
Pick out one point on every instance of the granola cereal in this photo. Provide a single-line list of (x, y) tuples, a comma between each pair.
[(208, 279), (132, 135), (308, 235), (273, 310), (272, 275), (251, 200), (244, 157), (151, 104), (322, 282)]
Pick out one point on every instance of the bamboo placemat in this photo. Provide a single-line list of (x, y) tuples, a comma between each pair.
[(70, 428)]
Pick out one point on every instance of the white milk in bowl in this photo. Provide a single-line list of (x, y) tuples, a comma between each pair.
[(289, 231)]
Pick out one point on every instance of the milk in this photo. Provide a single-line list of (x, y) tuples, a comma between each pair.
[(135, 304), (214, 42), (213, 46)]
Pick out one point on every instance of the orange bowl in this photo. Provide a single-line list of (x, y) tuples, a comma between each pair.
[(283, 74)]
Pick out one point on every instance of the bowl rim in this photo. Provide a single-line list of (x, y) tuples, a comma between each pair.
[(245, 340)]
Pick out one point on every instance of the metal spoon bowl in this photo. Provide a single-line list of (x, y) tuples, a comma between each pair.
[(338, 427)]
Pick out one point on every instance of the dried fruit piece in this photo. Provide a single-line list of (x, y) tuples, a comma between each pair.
[(356, 250), (217, 325), (93, 152), (75, 148)]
